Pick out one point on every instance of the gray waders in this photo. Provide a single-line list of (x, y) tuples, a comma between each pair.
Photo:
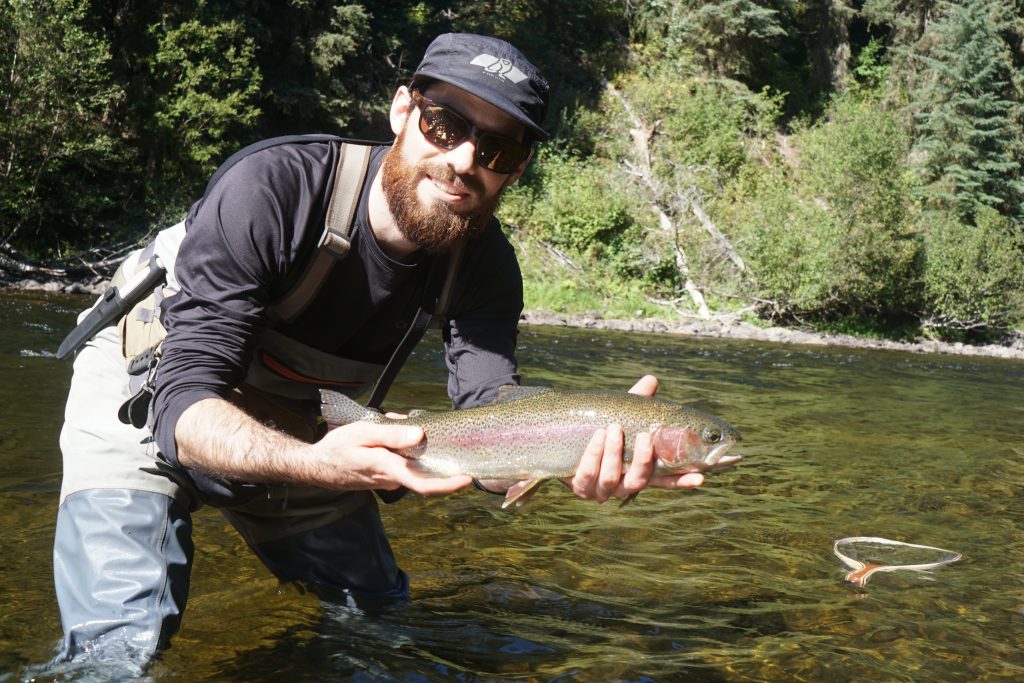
[(123, 548)]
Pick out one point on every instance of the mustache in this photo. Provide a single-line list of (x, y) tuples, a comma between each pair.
[(443, 172)]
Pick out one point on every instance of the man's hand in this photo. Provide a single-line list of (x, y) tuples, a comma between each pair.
[(600, 472), (361, 456)]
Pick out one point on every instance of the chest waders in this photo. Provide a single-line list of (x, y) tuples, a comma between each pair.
[(122, 546)]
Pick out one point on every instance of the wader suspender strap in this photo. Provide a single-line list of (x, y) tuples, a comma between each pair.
[(419, 326), (334, 246), (412, 337), (334, 242)]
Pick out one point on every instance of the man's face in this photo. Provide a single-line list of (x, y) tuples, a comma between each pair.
[(441, 197)]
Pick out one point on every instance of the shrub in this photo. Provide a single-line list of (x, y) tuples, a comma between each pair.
[(784, 241), (569, 203), (833, 239), (973, 275)]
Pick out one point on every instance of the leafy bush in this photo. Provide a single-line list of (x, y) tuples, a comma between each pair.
[(854, 164), (569, 202), (61, 162), (662, 141), (833, 238), (206, 82), (784, 240), (973, 275)]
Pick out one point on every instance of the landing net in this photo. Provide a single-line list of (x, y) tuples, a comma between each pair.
[(867, 555)]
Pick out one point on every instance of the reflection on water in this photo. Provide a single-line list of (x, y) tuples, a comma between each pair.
[(734, 581)]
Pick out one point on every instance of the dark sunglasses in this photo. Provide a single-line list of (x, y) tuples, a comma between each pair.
[(446, 129)]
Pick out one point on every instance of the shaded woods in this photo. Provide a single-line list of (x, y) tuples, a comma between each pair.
[(850, 165)]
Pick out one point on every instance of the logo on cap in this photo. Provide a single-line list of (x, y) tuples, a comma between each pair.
[(502, 68)]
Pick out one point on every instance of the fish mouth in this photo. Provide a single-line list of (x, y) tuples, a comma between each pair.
[(717, 459)]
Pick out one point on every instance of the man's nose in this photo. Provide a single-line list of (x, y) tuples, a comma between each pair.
[(463, 157)]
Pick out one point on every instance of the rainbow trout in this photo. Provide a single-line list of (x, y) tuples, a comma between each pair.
[(532, 434)]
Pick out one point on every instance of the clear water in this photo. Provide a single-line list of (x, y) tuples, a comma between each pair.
[(735, 581)]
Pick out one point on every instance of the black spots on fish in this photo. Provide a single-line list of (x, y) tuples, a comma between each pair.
[(515, 392)]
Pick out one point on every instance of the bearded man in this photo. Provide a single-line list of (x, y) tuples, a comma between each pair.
[(229, 416)]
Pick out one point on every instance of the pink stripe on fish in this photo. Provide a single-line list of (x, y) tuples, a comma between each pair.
[(518, 435)]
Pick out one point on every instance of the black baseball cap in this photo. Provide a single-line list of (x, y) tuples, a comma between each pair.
[(491, 69)]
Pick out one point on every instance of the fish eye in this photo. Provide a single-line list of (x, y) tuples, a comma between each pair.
[(713, 435)]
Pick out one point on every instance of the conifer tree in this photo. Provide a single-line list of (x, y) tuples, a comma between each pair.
[(967, 117), (908, 19)]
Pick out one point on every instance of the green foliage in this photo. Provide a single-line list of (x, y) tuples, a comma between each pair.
[(726, 34), (907, 19), (315, 60), (969, 120), (702, 134), (973, 274), (586, 293), (701, 130), (871, 69), (570, 203), (833, 239), (798, 49), (205, 83), (602, 205), (55, 100), (811, 136), (785, 240)]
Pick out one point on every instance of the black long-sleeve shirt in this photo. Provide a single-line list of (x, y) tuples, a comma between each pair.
[(257, 228)]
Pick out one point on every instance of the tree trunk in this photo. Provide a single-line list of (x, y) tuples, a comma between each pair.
[(827, 27)]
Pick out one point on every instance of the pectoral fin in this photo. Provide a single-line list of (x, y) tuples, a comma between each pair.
[(521, 492), (628, 499)]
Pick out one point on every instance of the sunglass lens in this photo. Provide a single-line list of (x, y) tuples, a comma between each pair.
[(443, 127), (500, 154)]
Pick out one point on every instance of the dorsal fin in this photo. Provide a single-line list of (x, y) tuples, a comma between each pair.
[(514, 392)]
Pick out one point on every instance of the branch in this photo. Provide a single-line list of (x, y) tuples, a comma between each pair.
[(561, 256), (717, 235), (11, 261), (641, 135)]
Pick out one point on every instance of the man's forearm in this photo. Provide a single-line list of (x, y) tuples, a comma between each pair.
[(218, 438)]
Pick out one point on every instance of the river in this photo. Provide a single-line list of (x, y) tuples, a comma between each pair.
[(735, 581)]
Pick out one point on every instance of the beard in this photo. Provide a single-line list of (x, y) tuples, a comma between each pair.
[(434, 227)]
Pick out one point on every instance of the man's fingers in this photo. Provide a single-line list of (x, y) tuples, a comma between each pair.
[(384, 435), (402, 472), (638, 476), (429, 486), (678, 481), (589, 468), (611, 464)]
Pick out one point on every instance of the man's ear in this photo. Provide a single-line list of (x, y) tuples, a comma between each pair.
[(401, 105), (514, 176)]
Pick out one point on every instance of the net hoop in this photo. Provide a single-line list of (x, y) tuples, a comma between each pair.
[(862, 571)]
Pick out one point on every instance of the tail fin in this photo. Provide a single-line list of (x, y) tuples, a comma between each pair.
[(338, 409)]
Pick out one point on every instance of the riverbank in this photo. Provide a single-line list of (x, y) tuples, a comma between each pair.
[(738, 329), (723, 328)]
